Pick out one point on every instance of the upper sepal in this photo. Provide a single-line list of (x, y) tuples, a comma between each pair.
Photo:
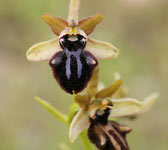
[(110, 90)]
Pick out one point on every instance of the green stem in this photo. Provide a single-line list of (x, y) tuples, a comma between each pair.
[(85, 141), (58, 115), (64, 119)]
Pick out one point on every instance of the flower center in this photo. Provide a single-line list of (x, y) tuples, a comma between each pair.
[(73, 42)]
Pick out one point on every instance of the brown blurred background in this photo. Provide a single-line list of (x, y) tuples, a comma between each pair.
[(139, 28)]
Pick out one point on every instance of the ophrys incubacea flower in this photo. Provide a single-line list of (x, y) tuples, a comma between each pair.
[(98, 107), (72, 55)]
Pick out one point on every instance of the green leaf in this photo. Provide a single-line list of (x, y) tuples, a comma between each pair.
[(58, 115)]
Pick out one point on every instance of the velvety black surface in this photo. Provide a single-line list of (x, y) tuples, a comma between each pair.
[(73, 66), (74, 83)]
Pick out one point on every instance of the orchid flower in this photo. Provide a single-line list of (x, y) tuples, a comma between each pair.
[(72, 55), (94, 104)]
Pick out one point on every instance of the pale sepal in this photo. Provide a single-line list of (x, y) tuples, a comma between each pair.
[(79, 123), (125, 107), (149, 102), (101, 50), (43, 50)]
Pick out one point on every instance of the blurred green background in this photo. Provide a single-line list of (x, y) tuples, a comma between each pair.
[(139, 28)]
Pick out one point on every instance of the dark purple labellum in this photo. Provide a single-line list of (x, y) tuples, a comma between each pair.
[(108, 135), (73, 67), (111, 136)]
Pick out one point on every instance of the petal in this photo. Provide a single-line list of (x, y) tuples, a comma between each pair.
[(109, 91), (56, 24), (90, 23), (93, 83), (101, 50), (78, 124), (125, 107), (43, 51)]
